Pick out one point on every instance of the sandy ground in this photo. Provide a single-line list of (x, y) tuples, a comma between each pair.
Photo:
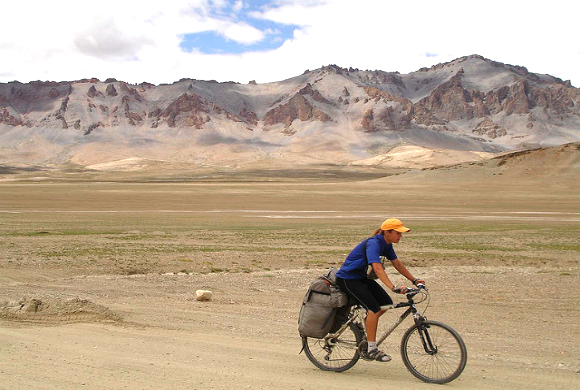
[(520, 338), (98, 281)]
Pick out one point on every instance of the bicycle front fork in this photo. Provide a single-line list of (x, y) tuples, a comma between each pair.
[(423, 330)]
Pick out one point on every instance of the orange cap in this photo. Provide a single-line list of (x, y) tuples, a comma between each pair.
[(394, 224)]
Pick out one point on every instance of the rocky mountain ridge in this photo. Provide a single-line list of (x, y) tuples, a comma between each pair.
[(331, 114)]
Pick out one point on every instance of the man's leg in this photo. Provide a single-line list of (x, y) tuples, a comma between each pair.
[(372, 323)]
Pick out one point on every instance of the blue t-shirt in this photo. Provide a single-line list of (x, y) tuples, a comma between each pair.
[(355, 266)]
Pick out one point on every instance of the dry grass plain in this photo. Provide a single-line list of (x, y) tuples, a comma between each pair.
[(98, 274)]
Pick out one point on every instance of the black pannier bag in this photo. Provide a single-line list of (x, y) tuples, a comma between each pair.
[(320, 306)]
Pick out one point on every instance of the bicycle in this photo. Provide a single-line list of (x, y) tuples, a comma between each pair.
[(432, 351)]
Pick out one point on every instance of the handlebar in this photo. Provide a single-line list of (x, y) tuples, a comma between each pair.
[(413, 291)]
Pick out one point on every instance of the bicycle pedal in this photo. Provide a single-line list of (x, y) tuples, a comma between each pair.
[(364, 356), (362, 351)]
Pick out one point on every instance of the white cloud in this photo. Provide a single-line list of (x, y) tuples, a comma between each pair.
[(242, 33), (238, 6), (108, 38), (139, 41)]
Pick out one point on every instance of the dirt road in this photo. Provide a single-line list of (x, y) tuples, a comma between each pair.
[(521, 338)]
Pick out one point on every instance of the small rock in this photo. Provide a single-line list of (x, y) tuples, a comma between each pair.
[(203, 295)]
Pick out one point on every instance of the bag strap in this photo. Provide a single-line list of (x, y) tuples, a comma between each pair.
[(330, 278), (311, 291), (365, 250), (365, 253)]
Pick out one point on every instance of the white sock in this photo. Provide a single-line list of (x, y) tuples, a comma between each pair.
[(372, 345)]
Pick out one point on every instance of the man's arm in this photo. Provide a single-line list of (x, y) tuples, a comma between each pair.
[(382, 275), (399, 266)]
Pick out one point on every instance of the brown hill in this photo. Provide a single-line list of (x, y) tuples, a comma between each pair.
[(551, 168)]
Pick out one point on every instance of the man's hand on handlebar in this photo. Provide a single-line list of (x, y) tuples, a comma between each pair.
[(400, 289), (404, 290)]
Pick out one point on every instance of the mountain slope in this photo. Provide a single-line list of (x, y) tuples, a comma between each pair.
[(544, 169), (330, 114)]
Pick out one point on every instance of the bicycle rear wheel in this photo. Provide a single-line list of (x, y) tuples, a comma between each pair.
[(433, 352), (334, 353)]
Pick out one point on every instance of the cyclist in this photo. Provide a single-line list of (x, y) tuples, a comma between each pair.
[(352, 278)]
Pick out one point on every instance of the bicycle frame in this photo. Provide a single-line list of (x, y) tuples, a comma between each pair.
[(398, 321), (359, 317)]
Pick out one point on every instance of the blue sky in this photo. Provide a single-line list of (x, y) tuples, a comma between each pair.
[(212, 42), (272, 40), (262, 34)]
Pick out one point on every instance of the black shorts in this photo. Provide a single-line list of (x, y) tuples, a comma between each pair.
[(367, 292)]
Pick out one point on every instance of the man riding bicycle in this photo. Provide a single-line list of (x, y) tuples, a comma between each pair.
[(352, 278)]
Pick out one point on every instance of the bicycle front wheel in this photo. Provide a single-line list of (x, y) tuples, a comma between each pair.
[(334, 353), (433, 352)]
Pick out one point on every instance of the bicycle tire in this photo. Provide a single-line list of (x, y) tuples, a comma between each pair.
[(441, 363), (334, 354)]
